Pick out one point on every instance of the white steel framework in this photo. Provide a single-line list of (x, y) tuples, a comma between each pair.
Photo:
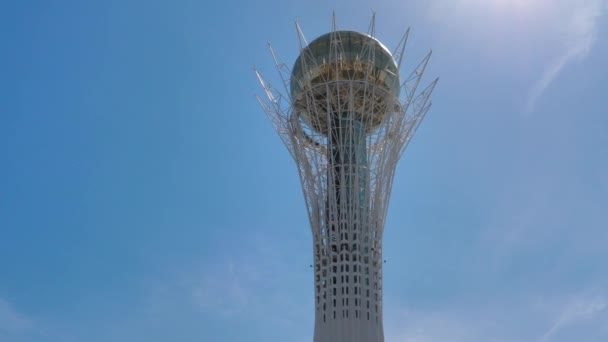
[(346, 119)]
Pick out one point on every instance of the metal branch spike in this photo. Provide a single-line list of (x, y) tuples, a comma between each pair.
[(334, 27), (371, 30), (302, 43), (399, 51), (415, 78), (283, 69)]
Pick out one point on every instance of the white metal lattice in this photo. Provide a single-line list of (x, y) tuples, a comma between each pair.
[(346, 131)]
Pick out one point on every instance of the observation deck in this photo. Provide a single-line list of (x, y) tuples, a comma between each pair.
[(344, 72)]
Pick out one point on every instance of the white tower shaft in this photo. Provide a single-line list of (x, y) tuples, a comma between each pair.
[(346, 128)]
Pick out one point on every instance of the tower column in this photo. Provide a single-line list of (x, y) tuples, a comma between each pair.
[(345, 126)]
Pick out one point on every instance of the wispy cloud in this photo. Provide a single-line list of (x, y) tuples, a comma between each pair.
[(226, 290), (579, 309), (12, 321), (260, 283), (578, 36), (513, 319)]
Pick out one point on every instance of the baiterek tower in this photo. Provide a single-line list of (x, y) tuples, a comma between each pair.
[(346, 117)]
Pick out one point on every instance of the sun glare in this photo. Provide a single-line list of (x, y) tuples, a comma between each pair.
[(520, 6)]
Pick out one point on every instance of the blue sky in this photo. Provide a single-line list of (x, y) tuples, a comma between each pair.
[(145, 197)]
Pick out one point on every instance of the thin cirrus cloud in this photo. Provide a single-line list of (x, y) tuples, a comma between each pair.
[(573, 24), (11, 321), (579, 33), (260, 283), (519, 318), (585, 309), (226, 291)]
